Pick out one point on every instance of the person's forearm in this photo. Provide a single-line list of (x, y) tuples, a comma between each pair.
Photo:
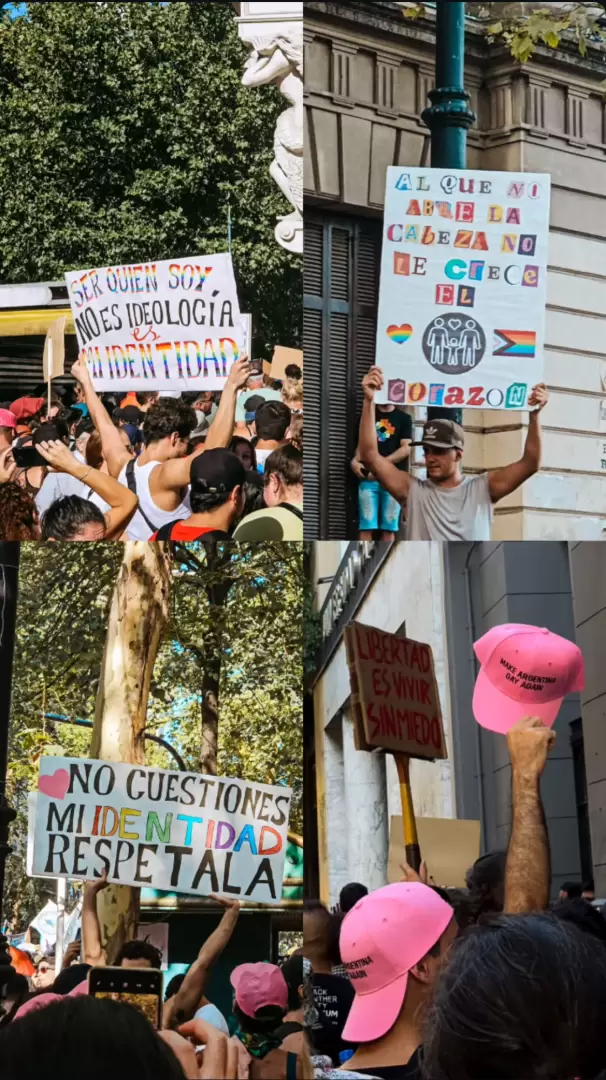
[(528, 867), (192, 990), (91, 932), (367, 448), (112, 447), (399, 455), (533, 448), (221, 430)]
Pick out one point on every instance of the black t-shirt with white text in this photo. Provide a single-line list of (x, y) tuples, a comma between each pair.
[(392, 428), (333, 997)]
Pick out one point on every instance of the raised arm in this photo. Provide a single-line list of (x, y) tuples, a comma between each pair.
[(175, 475), (397, 483), (92, 950), (114, 451), (123, 503), (528, 867), (503, 482), (222, 428), (180, 1009)]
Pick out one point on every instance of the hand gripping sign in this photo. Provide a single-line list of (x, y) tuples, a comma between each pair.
[(173, 325), (167, 830)]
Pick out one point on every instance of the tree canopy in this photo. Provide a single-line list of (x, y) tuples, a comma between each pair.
[(64, 597), (125, 136)]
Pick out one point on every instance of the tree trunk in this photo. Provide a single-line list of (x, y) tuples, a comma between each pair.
[(217, 592), (138, 617)]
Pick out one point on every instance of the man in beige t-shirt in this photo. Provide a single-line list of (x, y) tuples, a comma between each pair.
[(448, 506)]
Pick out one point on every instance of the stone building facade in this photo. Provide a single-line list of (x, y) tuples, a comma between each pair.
[(368, 73), (449, 596)]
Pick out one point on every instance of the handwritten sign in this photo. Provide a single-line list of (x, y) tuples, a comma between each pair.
[(396, 692), (173, 831), (172, 325), (463, 287)]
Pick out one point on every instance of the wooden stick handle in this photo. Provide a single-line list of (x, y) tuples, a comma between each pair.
[(411, 839)]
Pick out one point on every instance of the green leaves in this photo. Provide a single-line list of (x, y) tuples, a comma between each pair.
[(124, 130)]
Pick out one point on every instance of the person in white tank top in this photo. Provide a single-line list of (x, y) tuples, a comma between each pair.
[(161, 475)]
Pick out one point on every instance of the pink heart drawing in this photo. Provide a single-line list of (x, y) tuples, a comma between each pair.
[(56, 785)]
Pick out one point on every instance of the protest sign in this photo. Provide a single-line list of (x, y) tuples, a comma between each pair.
[(450, 846), (396, 688), (173, 831), (173, 325), (463, 287), (282, 359)]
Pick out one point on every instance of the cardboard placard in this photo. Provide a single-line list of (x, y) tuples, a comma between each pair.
[(54, 350), (463, 287), (172, 831), (397, 690), (448, 846), (283, 358), (173, 325)]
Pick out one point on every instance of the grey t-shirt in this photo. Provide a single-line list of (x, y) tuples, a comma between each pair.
[(461, 513)]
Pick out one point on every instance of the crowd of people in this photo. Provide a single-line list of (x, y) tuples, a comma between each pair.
[(54, 1027), (446, 505), (146, 466), (420, 981)]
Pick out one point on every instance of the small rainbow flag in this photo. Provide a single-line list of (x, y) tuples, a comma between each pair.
[(515, 343)]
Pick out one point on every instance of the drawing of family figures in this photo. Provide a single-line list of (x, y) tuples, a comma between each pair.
[(450, 348)]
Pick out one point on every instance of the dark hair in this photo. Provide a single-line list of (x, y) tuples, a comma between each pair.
[(239, 440), (66, 517), (94, 451), (18, 514), (331, 930), (140, 950), (254, 499), (273, 421), (69, 979), (168, 417), (350, 894), (202, 502), (583, 915), (574, 889), (293, 371), (86, 1037), (287, 464), (84, 427), (143, 399), (13, 988), (174, 986), (486, 883), (58, 431), (521, 996), (266, 1019), (292, 970), (589, 885)]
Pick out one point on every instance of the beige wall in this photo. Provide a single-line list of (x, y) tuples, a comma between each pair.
[(367, 79)]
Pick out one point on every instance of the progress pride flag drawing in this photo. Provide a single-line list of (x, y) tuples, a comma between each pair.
[(398, 693), (167, 830), (173, 325)]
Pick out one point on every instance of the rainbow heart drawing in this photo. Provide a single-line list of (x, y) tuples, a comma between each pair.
[(400, 334)]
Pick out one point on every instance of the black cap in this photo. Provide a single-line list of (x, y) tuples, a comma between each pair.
[(217, 472), (254, 403)]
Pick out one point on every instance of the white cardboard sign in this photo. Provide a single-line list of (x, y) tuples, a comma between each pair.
[(173, 325), (463, 287), (162, 829)]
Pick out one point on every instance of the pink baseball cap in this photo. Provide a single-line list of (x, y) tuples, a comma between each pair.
[(7, 419), (526, 671), (382, 938), (258, 985)]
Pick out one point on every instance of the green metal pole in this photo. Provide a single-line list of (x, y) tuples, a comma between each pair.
[(449, 117)]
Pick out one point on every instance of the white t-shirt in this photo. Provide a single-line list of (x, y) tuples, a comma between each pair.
[(138, 528)]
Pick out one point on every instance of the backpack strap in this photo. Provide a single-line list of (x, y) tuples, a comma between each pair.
[(292, 510), (166, 533), (291, 1067), (132, 486)]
